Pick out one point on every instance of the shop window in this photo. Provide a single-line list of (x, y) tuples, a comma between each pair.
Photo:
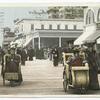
[(58, 27), (66, 27), (75, 27), (32, 27), (90, 17), (42, 27), (50, 27)]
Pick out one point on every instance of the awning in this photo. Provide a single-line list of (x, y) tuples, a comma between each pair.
[(27, 42), (98, 41), (93, 37), (80, 40)]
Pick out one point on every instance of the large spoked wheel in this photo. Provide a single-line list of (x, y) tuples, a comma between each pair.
[(65, 83)]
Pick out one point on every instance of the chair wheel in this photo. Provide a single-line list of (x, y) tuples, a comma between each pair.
[(65, 84)]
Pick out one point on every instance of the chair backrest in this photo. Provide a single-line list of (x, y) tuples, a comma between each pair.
[(67, 55), (77, 62)]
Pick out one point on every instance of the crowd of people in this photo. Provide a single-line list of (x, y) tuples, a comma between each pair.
[(11, 59), (25, 53), (55, 54)]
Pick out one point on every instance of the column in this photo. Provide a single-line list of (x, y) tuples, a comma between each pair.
[(59, 41), (39, 42), (33, 42)]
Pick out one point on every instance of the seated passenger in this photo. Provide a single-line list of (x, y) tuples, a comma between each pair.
[(77, 59)]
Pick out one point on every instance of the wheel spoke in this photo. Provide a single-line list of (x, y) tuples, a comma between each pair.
[(65, 85)]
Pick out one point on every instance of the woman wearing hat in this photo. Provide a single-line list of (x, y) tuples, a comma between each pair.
[(12, 64)]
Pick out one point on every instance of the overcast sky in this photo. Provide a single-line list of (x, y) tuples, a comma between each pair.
[(11, 13)]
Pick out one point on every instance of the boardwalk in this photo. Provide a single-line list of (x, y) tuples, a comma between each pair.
[(41, 78)]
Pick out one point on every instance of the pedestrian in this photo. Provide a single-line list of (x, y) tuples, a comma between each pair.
[(60, 55), (31, 53), (55, 56), (23, 56), (50, 54), (18, 51), (41, 53), (0, 54), (93, 67), (3, 53)]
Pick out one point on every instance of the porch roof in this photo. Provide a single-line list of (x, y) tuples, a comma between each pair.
[(58, 33)]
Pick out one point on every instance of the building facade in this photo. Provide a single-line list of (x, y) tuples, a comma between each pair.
[(48, 33), (8, 36), (91, 31), (69, 12)]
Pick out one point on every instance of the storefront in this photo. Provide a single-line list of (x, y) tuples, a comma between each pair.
[(48, 33), (50, 39), (91, 26)]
